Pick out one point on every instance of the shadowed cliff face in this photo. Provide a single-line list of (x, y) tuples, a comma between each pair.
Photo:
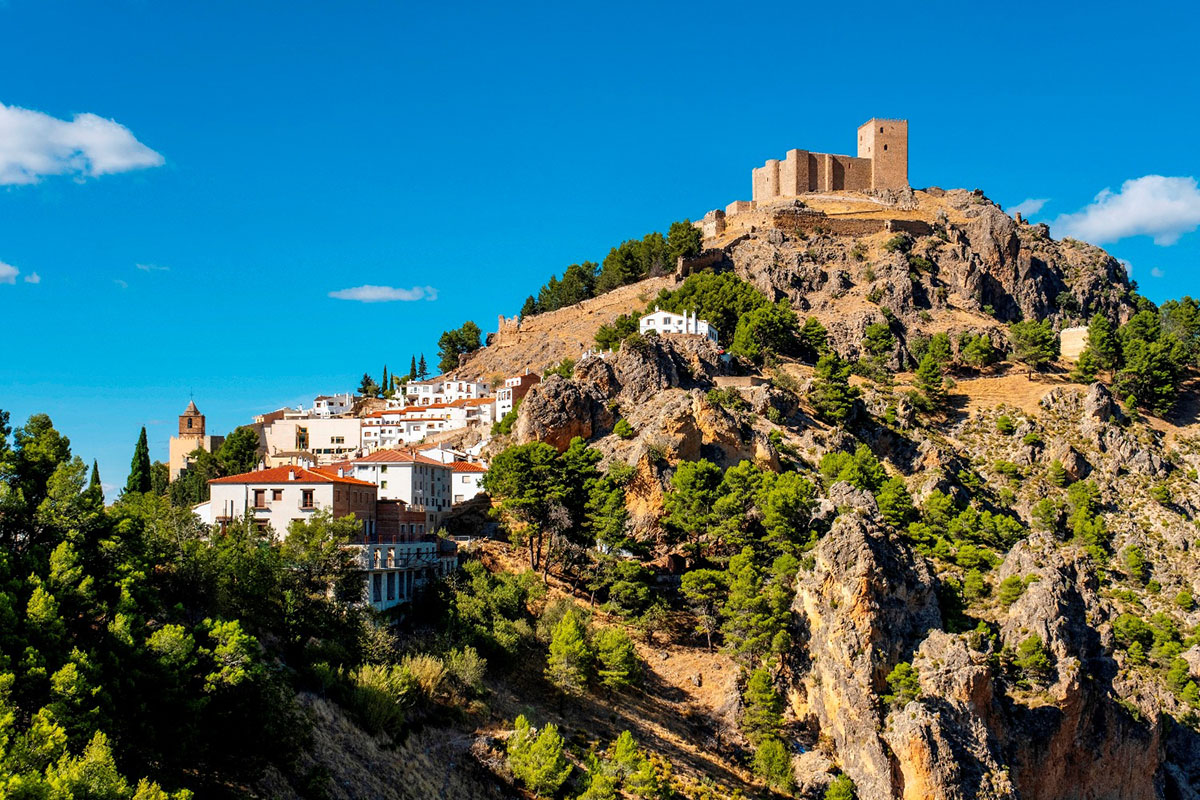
[(869, 603)]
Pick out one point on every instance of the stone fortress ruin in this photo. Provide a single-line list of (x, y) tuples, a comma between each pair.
[(879, 170), (882, 164)]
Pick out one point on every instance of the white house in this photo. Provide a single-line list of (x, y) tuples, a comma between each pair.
[(468, 479), (332, 405), (395, 551), (664, 322), (440, 390), (419, 481), (279, 495)]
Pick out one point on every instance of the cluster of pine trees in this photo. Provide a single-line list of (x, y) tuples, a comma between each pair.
[(629, 262)]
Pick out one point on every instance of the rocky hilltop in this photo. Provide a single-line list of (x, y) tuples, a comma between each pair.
[(1027, 628)]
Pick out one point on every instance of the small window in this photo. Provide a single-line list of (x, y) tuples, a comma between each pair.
[(189, 423), (885, 147), (276, 494), (383, 484), (881, 129), (260, 498), (306, 498)]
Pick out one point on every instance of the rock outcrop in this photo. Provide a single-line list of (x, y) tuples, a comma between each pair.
[(866, 602)]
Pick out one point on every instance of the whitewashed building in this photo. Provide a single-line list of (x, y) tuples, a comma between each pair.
[(667, 323), (417, 480), (280, 495), (332, 405), (467, 480)]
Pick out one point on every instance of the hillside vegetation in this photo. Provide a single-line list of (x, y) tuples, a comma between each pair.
[(918, 555)]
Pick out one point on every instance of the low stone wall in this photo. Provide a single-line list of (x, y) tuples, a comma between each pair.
[(809, 222)]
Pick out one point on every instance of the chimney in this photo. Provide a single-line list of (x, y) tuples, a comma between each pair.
[(291, 474)]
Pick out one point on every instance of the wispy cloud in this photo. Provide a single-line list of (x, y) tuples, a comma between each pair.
[(8, 273), (152, 268), (34, 145), (120, 283), (33, 277), (385, 294), (1156, 272), (1029, 206), (1153, 205)]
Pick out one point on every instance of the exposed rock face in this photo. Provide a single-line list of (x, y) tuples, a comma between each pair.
[(1083, 739), (556, 410), (867, 601), (942, 742)]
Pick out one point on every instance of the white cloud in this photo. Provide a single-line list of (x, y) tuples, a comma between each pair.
[(33, 277), (8, 273), (1153, 205), (152, 268), (385, 294), (1031, 205), (121, 283), (34, 145), (1128, 267), (1156, 272)]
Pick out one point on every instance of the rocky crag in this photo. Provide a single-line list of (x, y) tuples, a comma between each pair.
[(1101, 719)]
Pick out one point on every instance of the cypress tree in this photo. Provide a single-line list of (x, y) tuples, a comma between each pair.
[(422, 369), (412, 370), (95, 492), (139, 468), (385, 384)]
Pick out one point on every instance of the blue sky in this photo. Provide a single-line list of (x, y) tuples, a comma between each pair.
[(182, 186)]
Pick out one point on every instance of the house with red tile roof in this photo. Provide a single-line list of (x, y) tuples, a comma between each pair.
[(277, 496), (421, 482), (394, 562), (467, 479)]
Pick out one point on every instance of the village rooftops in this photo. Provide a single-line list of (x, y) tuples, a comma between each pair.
[(290, 475), (397, 457), (467, 466)]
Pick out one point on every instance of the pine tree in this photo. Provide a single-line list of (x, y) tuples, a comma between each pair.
[(618, 659), (763, 714), (570, 661), (422, 369), (412, 370), (929, 382), (831, 394), (538, 760), (530, 307), (139, 468), (1086, 367), (1103, 343)]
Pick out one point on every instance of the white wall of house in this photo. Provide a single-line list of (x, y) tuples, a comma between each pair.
[(417, 484), (466, 485), (664, 322), (330, 405)]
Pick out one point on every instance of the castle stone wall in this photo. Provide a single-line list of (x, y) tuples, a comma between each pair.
[(882, 163)]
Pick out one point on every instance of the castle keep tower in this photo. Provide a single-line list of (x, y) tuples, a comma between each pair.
[(885, 142), (190, 439), (882, 163)]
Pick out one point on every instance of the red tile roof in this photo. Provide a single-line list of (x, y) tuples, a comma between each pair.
[(397, 456), (467, 466), (289, 475)]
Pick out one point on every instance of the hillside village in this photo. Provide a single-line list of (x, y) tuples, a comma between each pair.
[(847, 490)]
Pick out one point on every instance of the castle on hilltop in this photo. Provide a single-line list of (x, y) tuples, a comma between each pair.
[(881, 168), (882, 163)]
